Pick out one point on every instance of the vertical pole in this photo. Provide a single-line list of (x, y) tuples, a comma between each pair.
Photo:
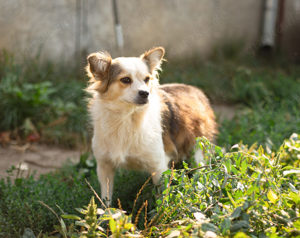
[(84, 27), (78, 33), (118, 27), (269, 27)]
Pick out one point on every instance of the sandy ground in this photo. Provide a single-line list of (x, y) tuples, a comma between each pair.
[(35, 157), (43, 158)]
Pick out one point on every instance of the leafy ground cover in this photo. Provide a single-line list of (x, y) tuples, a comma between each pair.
[(245, 192), (250, 189), (42, 102)]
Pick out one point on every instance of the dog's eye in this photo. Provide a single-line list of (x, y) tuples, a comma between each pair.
[(147, 79), (126, 80)]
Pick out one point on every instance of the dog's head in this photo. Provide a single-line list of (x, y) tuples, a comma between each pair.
[(125, 79)]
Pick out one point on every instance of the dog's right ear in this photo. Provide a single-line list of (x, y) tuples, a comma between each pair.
[(153, 58), (98, 64)]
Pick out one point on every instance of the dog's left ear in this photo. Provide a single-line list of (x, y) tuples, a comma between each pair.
[(98, 65), (153, 58)]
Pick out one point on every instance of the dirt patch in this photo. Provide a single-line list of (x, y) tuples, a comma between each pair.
[(39, 158)]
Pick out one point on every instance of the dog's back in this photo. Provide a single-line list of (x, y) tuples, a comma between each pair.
[(139, 124), (186, 114)]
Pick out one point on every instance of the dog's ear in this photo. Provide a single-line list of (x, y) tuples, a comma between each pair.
[(98, 64), (153, 58)]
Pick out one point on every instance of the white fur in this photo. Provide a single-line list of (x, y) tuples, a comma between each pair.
[(116, 144), (136, 69), (199, 157), (119, 140)]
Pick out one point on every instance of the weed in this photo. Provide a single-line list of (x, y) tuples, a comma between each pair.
[(247, 191), (267, 125)]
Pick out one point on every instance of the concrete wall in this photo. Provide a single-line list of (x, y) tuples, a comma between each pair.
[(60, 28), (290, 40)]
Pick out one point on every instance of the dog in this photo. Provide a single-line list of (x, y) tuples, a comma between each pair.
[(139, 124)]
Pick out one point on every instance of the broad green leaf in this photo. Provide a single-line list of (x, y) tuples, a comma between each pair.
[(239, 225), (240, 235), (236, 213), (295, 197), (209, 227), (228, 165), (244, 166), (82, 211), (231, 199), (225, 225), (272, 196), (297, 224), (100, 211), (72, 217), (112, 225), (292, 171), (63, 227)]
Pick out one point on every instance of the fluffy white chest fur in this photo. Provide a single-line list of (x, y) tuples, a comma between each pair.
[(137, 123), (130, 137)]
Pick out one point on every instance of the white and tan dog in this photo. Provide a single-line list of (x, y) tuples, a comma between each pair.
[(139, 124)]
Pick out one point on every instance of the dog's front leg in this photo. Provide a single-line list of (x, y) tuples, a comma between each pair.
[(106, 172), (161, 166)]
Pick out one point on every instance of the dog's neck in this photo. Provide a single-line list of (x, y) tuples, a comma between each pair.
[(122, 110), (112, 113)]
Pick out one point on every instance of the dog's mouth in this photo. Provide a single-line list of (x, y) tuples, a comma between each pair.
[(141, 101)]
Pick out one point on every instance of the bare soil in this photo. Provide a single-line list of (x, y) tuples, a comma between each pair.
[(44, 158), (35, 157)]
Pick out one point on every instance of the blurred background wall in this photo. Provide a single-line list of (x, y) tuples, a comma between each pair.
[(67, 29)]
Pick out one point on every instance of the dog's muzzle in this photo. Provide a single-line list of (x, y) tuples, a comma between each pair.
[(142, 97)]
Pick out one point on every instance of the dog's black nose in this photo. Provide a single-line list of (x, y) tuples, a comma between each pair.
[(143, 94)]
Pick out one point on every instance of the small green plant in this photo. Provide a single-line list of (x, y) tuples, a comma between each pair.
[(96, 219), (22, 100), (20, 206), (51, 102), (245, 192), (22, 196), (248, 190)]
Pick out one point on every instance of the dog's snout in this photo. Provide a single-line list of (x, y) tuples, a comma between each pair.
[(143, 94)]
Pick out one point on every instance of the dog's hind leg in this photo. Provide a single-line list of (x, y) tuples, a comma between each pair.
[(106, 174), (199, 157)]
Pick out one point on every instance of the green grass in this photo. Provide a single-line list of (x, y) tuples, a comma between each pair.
[(48, 99), (245, 190), (64, 190)]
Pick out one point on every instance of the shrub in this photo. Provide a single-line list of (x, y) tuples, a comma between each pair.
[(62, 191), (20, 205), (50, 102), (247, 191), (267, 125)]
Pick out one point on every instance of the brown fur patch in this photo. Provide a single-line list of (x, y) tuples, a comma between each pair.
[(98, 64), (186, 114), (153, 58), (102, 83)]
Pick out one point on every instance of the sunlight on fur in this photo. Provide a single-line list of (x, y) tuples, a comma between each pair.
[(139, 124)]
